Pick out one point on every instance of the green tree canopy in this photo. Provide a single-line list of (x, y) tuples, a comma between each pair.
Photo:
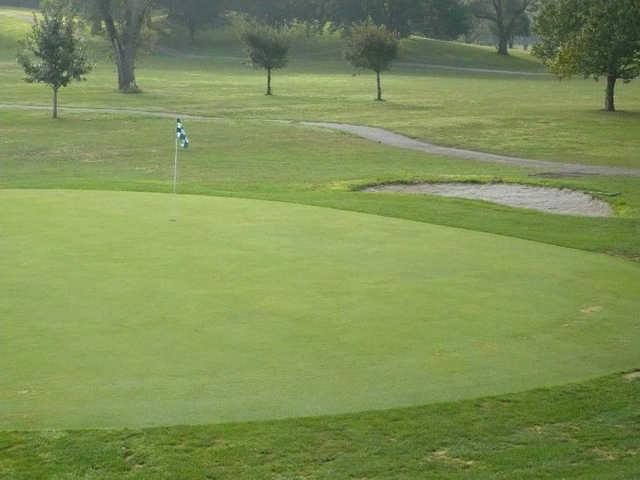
[(595, 38), (372, 47), (52, 53)]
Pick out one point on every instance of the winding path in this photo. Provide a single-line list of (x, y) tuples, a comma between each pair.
[(381, 136), (400, 141)]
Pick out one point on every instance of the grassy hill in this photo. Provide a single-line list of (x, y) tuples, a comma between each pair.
[(14, 25), (418, 50), (415, 52), (222, 42)]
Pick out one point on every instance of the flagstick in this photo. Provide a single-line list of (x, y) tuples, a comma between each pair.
[(175, 170)]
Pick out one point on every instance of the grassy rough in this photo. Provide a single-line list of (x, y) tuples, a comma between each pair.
[(589, 431), (293, 164), (537, 117)]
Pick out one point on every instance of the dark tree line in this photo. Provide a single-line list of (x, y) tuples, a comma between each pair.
[(194, 15), (595, 38), (122, 21), (21, 3), (444, 19)]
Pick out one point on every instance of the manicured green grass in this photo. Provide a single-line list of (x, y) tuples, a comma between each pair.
[(360, 312), (130, 309), (537, 117), (588, 432)]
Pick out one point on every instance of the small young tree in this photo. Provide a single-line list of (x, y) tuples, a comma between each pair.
[(372, 47), (595, 38), (267, 47), (52, 53)]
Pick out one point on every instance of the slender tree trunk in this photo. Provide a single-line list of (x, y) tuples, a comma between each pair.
[(55, 103), (610, 99), (503, 44), (126, 63), (124, 57), (125, 43), (379, 83), (269, 92), (503, 36)]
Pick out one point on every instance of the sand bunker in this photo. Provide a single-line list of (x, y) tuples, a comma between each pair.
[(550, 200)]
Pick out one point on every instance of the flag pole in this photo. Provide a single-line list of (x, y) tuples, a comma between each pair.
[(175, 170)]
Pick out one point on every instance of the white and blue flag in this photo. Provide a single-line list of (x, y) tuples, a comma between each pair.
[(181, 134)]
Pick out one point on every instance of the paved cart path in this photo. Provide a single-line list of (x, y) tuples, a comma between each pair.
[(400, 141), (381, 136)]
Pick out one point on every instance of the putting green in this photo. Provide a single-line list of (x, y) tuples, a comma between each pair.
[(129, 309)]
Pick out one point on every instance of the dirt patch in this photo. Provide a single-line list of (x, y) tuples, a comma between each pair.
[(591, 310), (557, 175), (443, 456), (630, 377), (543, 199), (608, 455)]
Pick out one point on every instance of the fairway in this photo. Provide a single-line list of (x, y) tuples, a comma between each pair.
[(136, 309)]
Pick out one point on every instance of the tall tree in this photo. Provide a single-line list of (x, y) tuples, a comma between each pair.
[(398, 16), (445, 19), (279, 13), (194, 14), (374, 48), (503, 15), (52, 53), (123, 21), (595, 38), (267, 47)]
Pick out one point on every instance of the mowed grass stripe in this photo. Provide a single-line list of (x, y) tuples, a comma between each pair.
[(117, 316)]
